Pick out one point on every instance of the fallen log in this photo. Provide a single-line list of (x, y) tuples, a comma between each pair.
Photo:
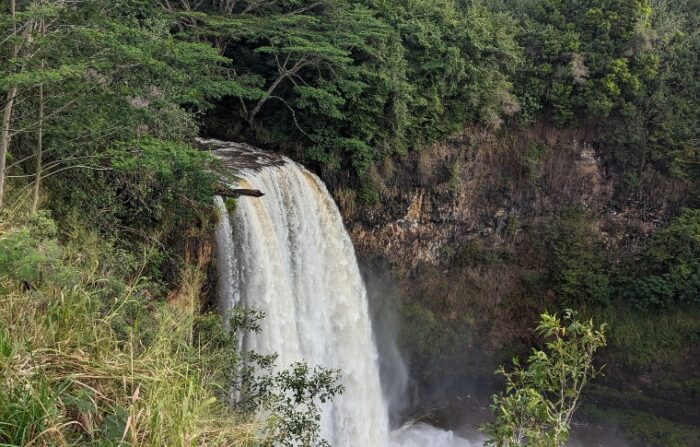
[(236, 193)]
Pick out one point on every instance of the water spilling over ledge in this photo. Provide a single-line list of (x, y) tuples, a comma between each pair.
[(240, 157), (294, 261)]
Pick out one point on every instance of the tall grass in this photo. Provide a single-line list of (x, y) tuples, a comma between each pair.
[(642, 340), (645, 429), (89, 356)]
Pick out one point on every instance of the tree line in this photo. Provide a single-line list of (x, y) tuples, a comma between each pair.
[(348, 82)]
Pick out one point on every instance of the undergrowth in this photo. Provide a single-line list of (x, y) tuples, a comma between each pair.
[(645, 429), (642, 340), (89, 356)]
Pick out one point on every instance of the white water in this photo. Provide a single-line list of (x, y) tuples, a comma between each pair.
[(289, 256), (228, 291)]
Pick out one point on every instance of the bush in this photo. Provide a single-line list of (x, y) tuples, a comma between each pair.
[(156, 178), (577, 264), (668, 272), (31, 255), (540, 400)]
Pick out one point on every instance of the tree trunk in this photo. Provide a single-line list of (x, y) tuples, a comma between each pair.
[(39, 151), (5, 139), (284, 73), (235, 193), (40, 135), (266, 96)]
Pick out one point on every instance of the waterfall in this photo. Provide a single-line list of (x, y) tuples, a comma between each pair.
[(297, 265), (288, 255)]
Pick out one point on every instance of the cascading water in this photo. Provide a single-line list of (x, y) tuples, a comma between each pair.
[(228, 292), (288, 255)]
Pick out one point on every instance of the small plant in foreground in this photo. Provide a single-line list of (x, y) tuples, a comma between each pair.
[(540, 400)]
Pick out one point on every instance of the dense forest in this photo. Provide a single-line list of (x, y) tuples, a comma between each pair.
[(107, 328)]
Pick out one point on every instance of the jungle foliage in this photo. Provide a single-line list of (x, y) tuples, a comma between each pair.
[(398, 74), (343, 84)]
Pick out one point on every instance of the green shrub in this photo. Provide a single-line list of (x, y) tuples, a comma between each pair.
[(668, 272), (158, 177), (538, 405), (31, 255), (577, 264)]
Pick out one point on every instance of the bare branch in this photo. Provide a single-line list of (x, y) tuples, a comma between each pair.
[(305, 8), (294, 114)]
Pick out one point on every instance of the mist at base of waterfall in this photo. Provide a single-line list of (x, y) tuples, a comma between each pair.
[(424, 435)]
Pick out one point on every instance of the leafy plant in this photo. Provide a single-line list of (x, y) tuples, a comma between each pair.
[(540, 400), (289, 398), (293, 397)]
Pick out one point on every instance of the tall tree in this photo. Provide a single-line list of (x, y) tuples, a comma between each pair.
[(103, 83), (40, 134)]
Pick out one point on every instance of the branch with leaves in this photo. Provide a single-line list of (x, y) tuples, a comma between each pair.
[(539, 403)]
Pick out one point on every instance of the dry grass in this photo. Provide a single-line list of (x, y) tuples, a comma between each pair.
[(81, 366)]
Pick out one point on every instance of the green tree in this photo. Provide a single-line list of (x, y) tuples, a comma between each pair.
[(663, 133), (324, 73), (101, 96), (353, 82), (23, 25), (540, 400), (591, 58)]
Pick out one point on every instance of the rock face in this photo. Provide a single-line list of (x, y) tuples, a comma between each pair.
[(470, 187), (456, 222), (479, 185), (239, 156)]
